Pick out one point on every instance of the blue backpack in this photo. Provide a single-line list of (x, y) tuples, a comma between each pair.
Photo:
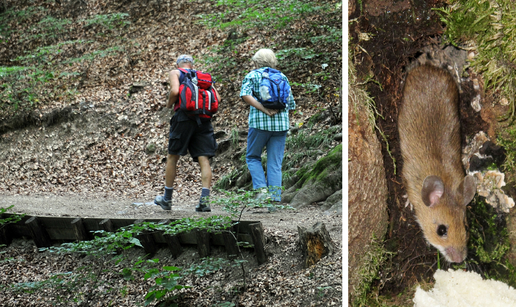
[(274, 90)]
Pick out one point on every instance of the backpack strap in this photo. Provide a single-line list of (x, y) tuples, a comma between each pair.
[(182, 73), (185, 73), (257, 95)]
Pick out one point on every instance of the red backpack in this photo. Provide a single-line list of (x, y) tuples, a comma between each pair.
[(197, 98)]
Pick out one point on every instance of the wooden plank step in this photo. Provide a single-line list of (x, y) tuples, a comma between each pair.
[(45, 231)]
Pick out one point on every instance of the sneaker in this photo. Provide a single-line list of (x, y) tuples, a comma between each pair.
[(165, 204), (202, 208)]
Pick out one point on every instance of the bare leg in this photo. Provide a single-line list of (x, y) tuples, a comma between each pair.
[(171, 170), (165, 201), (206, 175)]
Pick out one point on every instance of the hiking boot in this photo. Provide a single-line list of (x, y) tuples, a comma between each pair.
[(165, 204), (202, 208), (203, 205), (263, 194)]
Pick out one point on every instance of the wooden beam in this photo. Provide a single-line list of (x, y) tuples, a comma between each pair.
[(230, 243), (38, 233), (258, 242), (107, 225), (147, 241), (173, 244), (5, 235), (80, 232), (203, 242)]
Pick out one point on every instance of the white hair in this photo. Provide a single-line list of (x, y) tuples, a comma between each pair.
[(265, 58), (184, 58)]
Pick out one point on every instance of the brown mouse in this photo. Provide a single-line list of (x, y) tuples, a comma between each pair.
[(430, 141)]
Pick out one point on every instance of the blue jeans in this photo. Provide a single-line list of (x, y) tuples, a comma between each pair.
[(274, 142)]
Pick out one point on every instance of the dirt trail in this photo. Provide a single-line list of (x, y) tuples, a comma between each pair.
[(100, 207)]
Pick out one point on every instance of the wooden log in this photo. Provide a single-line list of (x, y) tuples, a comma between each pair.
[(203, 243), (107, 225), (258, 242), (38, 233), (315, 243), (80, 231), (230, 243)]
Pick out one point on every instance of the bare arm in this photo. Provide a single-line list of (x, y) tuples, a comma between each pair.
[(250, 100), (216, 92), (174, 83)]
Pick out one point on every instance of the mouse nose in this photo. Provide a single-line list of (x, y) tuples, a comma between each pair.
[(455, 255)]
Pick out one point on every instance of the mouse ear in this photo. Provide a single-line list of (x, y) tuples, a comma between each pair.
[(432, 191), (468, 188)]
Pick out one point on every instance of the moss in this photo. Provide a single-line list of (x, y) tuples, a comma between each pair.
[(358, 96), (319, 172), (489, 238), (507, 139), (489, 242), (490, 26), (374, 259)]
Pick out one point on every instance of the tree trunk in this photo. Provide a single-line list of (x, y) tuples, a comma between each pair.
[(315, 243)]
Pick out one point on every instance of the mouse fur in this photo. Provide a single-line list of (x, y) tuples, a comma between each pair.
[(430, 141)]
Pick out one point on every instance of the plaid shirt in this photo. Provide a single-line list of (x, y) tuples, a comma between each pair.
[(258, 119)]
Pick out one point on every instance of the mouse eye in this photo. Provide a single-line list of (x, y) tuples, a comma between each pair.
[(442, 231)]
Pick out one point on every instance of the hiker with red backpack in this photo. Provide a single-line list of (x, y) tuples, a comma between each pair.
[(194, 100), (268, 93)]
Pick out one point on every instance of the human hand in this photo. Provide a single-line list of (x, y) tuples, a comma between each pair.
[(271, 112)]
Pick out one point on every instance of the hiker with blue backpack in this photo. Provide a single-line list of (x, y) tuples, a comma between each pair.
[(194, 100), (268, 93)]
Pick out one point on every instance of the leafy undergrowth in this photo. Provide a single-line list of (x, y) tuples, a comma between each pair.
[(50, 279)]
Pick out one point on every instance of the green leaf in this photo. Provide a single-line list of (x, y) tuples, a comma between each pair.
[(135, 241)]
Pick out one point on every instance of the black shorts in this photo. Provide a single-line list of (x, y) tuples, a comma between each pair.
[(185, 135)]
